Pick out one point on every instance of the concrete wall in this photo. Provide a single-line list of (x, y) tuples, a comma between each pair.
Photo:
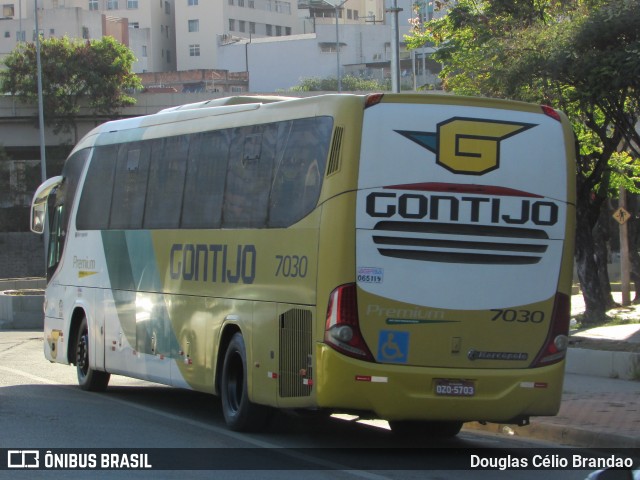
[(25, 309), (21, 255)]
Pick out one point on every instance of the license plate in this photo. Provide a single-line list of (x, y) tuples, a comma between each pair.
[(455, 388)]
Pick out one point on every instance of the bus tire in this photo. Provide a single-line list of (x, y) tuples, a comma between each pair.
[(240, 414), (424, 429), (88, 378)]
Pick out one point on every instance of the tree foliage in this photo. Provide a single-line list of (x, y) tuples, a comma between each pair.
[(95, 73), (581, 56), (350, 83)]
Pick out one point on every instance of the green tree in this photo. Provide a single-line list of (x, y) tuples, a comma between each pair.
[(350, 83), (95, 73), (581, 56)]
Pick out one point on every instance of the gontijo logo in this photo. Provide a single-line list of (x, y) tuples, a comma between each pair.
[(467, 145)]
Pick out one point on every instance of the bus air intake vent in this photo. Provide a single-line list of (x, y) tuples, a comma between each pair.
[(455, 243), (295, 369), (336, 146)]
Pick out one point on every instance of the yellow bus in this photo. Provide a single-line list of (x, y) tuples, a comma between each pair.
[(403, 257)]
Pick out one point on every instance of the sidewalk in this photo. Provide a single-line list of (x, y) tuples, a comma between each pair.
[(597, 411)]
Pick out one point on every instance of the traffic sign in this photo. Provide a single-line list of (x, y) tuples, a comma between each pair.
[(621, 216)]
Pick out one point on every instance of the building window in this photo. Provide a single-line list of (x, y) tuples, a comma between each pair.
[(134, 25), (85, 33), (132, 4), (242, 26), (279, 6), (194, 50), (252, 4), (112, 4), (287, 30), (231, 2), (144, 50), (194, 25), (7, 35), (168, 56), (93, 4), (278, 31), (232, 24), (8, 11), (252, 27), (241, 3), (167, 8), (192, 3), (21, 36), (269, 30), (52, 32)]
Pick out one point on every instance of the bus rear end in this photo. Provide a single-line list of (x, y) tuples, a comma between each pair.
[(459, 309)]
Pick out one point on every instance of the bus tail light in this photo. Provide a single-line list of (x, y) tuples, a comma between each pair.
[(551, 112), (555, 346), (342, 330), (373, 99)]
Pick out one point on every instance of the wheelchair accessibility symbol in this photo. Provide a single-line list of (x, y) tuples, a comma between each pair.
[(393, 346)]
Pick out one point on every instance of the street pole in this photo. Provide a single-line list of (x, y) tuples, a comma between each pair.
[(337, 7), (43, 160), (395, 48), (246, 61), (338, 49), (625, 270)]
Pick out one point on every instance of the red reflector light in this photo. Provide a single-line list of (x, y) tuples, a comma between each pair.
[(342, 329), (550, 112), (373, 99)]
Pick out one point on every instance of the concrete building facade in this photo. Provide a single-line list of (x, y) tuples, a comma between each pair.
[(203, 25), (145, 26)]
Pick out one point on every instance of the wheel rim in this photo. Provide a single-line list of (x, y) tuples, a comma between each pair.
[(82, 354), (235, 383)]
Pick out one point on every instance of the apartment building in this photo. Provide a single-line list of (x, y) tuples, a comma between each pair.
[(348, 11), (145, 26), (17, 23), (203, 25)]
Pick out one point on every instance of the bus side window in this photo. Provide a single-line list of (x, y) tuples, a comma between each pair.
[(246, 199), (298, 176), (56, 239), (130, 186), (95, 202), (206, 174), (166, 182), (60, 203)]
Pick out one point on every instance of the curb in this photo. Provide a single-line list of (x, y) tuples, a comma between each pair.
[(540, 430), (602, 363)]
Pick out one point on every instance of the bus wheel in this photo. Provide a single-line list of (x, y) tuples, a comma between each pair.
[(88, 378), (434, 429), (240, 414)]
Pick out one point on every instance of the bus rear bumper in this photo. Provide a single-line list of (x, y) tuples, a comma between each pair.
[(400, 392)]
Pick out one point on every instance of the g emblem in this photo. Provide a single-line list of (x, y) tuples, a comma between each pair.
[(467, 145)]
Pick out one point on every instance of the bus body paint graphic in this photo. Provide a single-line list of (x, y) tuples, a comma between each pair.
[(467, 145), (213, 262)]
